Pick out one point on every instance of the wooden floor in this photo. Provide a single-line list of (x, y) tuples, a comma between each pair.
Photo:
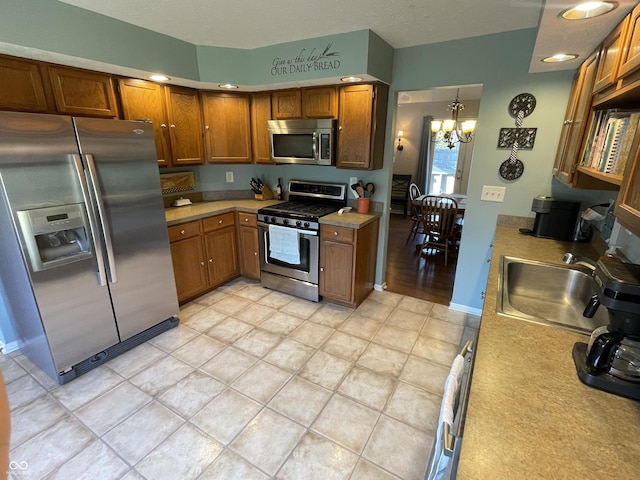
[(423, 277)]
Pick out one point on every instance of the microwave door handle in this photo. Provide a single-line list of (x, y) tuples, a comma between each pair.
[(316, 141), (103, 218), (93, 225)]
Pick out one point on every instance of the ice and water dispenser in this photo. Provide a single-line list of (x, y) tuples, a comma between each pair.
[(55, 236)]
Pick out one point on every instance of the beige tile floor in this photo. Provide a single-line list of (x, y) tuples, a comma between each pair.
[(253, 384)]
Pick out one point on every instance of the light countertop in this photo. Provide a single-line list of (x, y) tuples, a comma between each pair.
[(529, 416), (195, 211)]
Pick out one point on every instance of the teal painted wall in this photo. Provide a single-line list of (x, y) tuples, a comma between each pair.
[(234, 62), (500, 63), (57, 27)]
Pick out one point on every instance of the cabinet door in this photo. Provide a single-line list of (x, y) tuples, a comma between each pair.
[(22, 88), (574, 125), (189, 268), (260, 113), (319, 102), (336, 271), (355, 125), (248, 252), (142, 100), (286, 104), (627, 209), (185, 125), (630, 61), (226, 120), (80, 92), (222, 255), (610, 55)]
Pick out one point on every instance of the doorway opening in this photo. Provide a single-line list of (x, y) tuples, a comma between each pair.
[(437, 170)]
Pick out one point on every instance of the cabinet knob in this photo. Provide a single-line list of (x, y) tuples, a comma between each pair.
[(567, 122), (255, 254), (173, 126), (219, 222), (335, 234), (202, 263), (206, 127), (246, 219), (322, 269), (211, 260), (163, 125), (340, 127), (182, 232)]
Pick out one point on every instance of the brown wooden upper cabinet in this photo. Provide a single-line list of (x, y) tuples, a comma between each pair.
[(185, 125), (260, 113), (313, 102), (610, 55), (575, 120), (80, 92), (22, 88), (227, 127), (361, 126), (630, 57), (142, 100), (39, 87)]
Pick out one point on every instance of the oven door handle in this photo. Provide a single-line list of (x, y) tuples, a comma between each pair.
[(313, 233)]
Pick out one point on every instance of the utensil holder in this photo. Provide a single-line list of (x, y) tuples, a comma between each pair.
[(266, 194), (363, 205)]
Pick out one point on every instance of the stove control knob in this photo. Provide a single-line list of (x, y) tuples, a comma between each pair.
[(273, 219), (306, 224), (285, 222), (298, 223)]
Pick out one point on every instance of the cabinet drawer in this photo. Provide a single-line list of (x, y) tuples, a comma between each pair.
[(341, 234), (184, 230), (247, 219), (219, 221)]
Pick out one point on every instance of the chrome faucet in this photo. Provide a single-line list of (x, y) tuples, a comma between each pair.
[(571, 259)]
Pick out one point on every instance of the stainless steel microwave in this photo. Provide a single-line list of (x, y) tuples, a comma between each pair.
[(308, 142)]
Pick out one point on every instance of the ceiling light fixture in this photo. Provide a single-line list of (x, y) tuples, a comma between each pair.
[(351, 79), (159, 77), (453, 131), (560, 57), (588, 10), (228, 86)]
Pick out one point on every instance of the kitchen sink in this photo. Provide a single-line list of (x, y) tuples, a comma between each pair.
[(548, 294)]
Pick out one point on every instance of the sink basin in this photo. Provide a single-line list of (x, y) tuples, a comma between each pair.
[(548, 294)]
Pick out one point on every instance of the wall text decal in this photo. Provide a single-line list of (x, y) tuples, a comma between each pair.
[(306, 61)]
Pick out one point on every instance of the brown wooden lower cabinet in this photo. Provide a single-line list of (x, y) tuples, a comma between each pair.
[(204, 254), (248, 245), (348, 263)]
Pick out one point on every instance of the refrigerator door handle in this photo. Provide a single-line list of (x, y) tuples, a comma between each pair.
[(95, 185), (93, 226)]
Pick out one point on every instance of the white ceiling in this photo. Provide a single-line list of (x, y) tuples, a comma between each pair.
[(250, 24)]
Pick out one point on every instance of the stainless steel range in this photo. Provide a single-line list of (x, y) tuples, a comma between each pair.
[(290, 237)]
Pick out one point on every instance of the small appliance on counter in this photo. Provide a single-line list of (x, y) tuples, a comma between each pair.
[(611, 360), (555, 219)]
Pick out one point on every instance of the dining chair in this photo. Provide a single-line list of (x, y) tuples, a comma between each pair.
[(439, 215), (400, 192), (416, 228)]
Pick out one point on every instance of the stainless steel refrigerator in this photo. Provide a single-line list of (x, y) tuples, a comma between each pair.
[(85, 260)]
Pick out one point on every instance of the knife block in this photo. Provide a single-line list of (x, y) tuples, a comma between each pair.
[(266, 194)]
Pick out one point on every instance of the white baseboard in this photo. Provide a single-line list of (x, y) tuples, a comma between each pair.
[(9, 347), (465, 309)]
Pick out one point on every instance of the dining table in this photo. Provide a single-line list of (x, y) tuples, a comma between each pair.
[(460, 198)]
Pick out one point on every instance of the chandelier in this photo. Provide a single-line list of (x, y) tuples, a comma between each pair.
[(452, 130)]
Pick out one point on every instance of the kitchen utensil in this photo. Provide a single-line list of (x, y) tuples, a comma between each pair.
[(360, 190), (355, 187), (370, 189)]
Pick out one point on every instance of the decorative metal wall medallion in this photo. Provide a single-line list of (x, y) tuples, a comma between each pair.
[(525, 137)]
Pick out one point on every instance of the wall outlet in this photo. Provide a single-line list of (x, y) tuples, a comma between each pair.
[(493, 194), (229, 177), (352, 180)]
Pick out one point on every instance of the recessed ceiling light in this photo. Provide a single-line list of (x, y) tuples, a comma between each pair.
[(159, 77), (228, 86), (351, 79), (560, 57), (588, 10)]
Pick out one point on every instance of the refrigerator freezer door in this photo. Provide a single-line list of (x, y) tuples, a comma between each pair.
[(37, 170), (121, 156)]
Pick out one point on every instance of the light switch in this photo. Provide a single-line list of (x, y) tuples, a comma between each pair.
[(229, 177), (493, 194)]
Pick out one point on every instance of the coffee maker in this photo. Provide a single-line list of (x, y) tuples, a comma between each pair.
[(611, 359)]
